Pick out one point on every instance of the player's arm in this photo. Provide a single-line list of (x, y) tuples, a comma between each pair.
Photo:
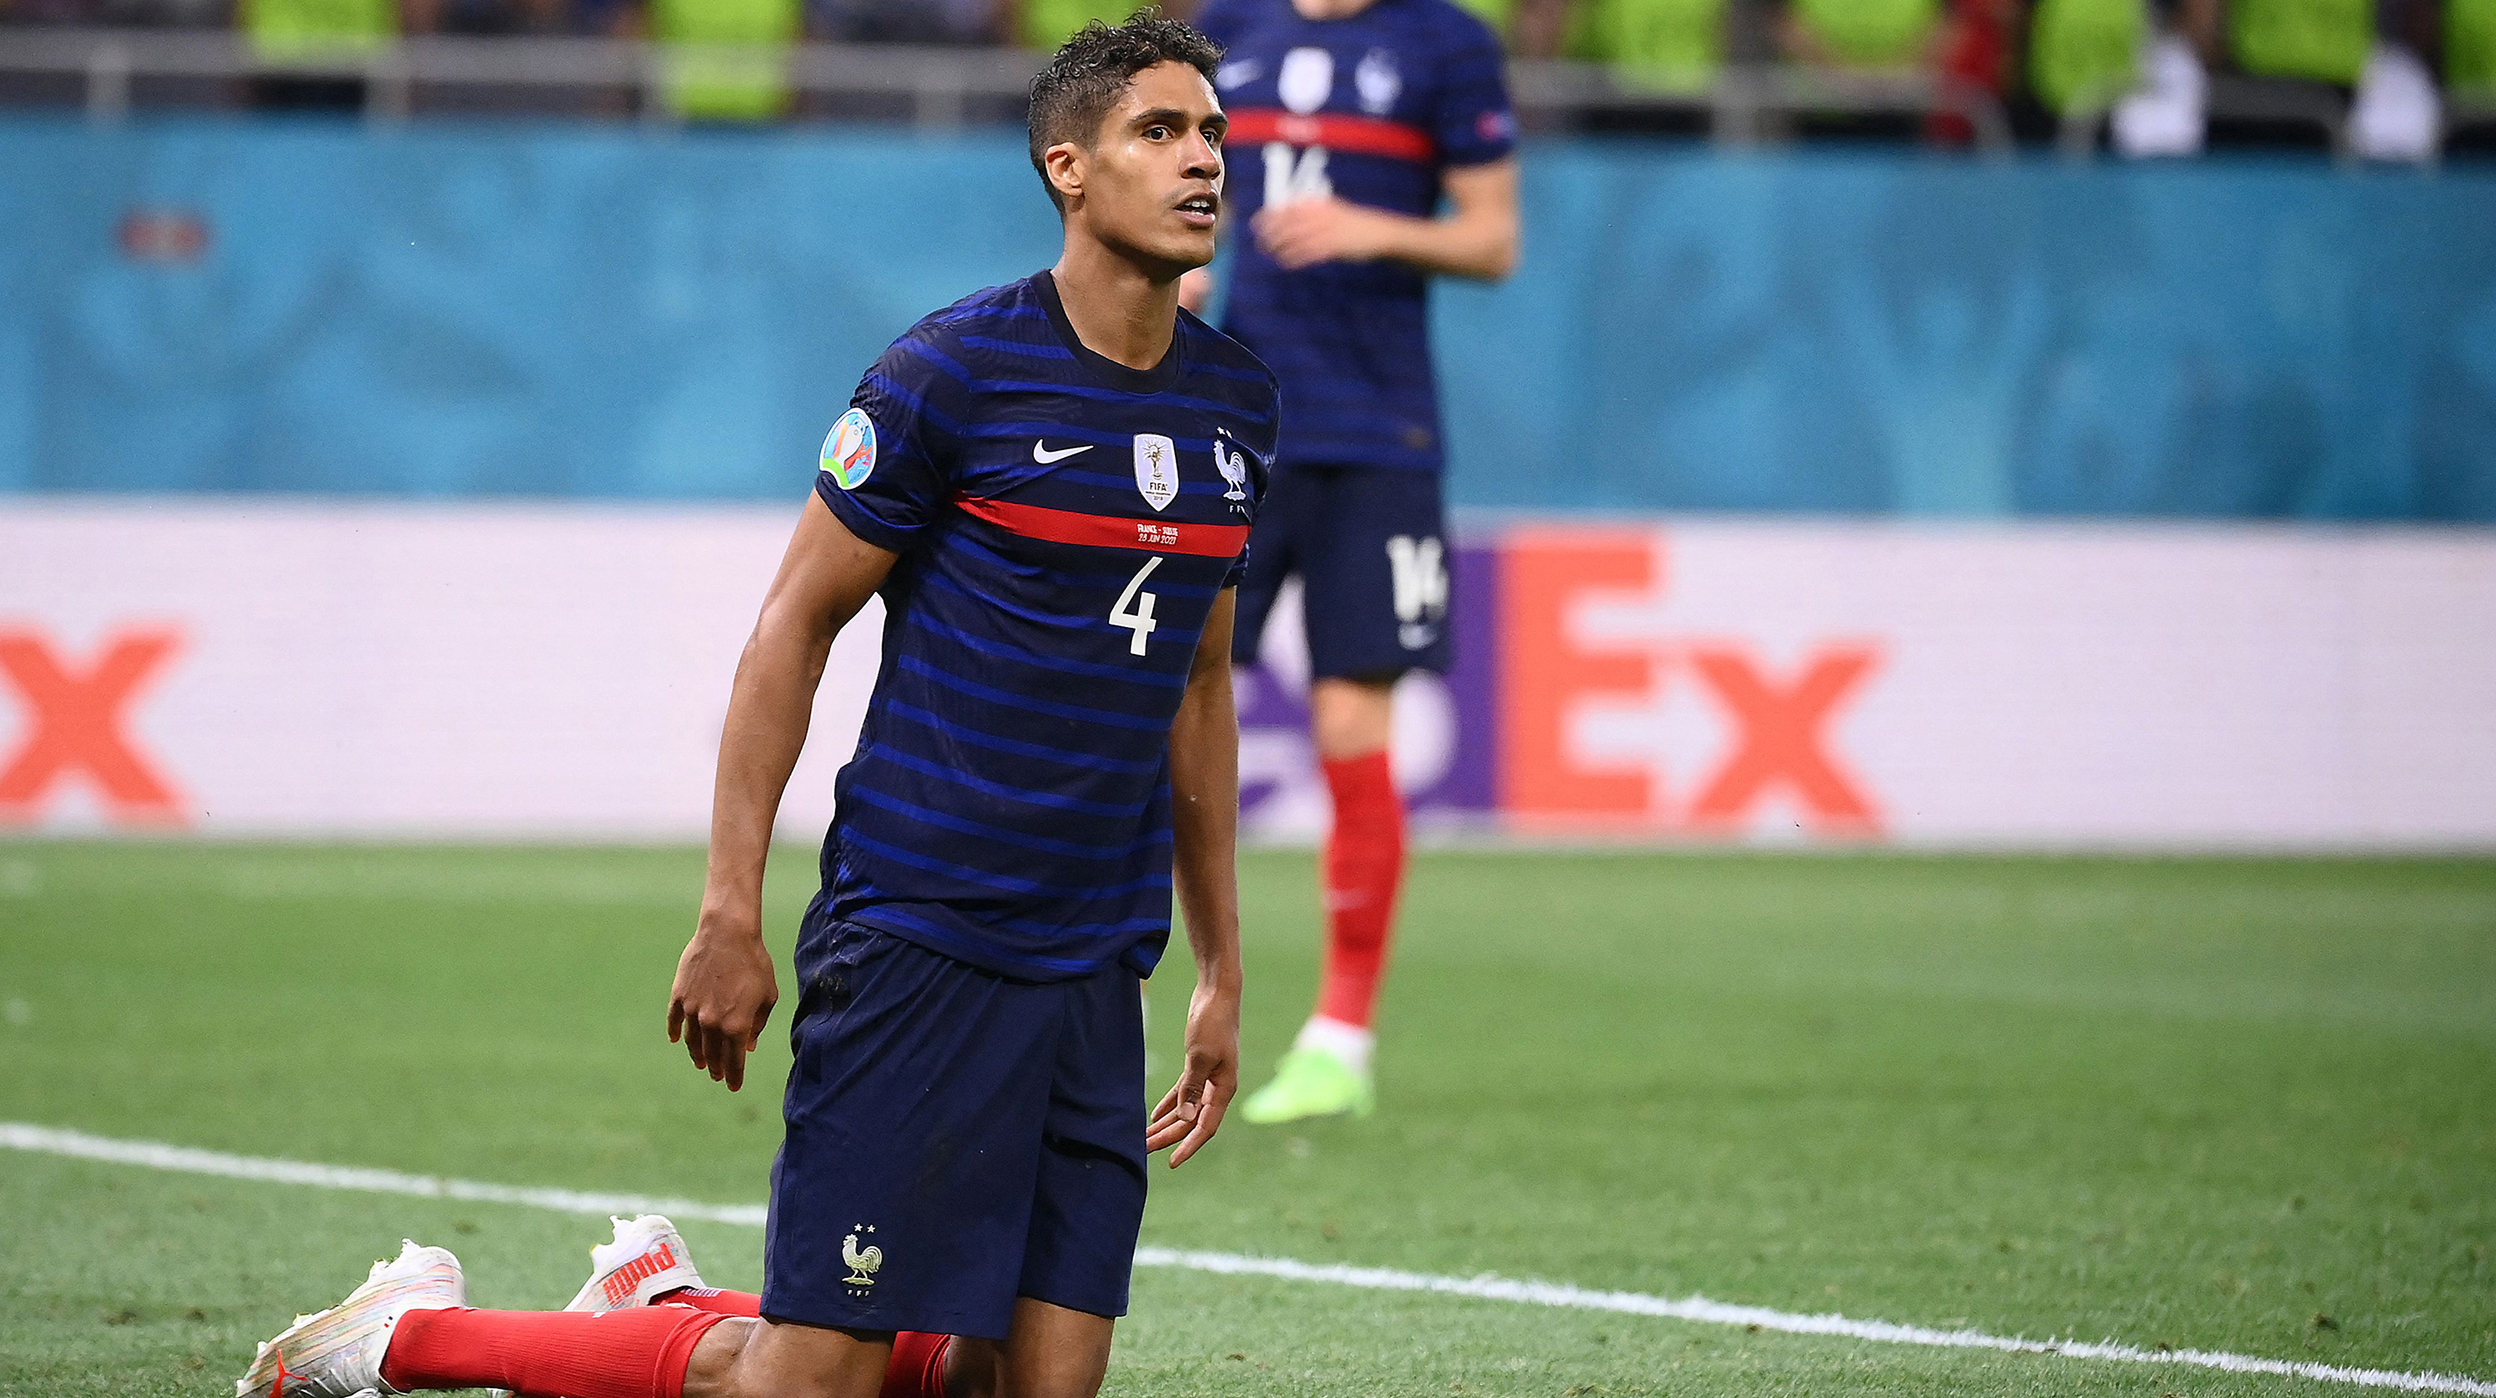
[(1476, 237), (1204, 829), (725, 987)]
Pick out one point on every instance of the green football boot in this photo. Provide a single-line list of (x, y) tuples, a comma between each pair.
[(1311, 1082)]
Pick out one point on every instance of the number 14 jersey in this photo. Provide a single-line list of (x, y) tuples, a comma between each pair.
[(1065, 524), (1373, 109)]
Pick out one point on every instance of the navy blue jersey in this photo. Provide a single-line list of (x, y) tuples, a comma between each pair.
[(1372, 109), (1064, 524)]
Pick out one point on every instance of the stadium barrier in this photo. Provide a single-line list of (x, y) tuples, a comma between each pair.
[(537, 310), (560, 672), (110, 72)]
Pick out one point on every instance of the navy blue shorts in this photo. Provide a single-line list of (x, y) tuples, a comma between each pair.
[(956, 1139), (1368, 545)]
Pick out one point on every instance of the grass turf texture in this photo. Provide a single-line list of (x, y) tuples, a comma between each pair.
[(2245, 1105)]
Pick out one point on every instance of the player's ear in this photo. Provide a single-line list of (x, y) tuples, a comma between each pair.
[(1063, 163)]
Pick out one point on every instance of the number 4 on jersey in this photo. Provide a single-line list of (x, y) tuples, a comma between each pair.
[(1140, 621)]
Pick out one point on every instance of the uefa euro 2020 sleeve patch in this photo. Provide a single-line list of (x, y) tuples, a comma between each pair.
[(849, 449)]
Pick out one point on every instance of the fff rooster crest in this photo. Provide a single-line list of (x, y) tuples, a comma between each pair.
[(863, 1263)]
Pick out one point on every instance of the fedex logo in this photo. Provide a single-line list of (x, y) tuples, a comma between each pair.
[(1777, 719), (1585, 694), (75, 725)]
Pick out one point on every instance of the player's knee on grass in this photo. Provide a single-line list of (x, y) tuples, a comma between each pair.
[(1054, 1352)]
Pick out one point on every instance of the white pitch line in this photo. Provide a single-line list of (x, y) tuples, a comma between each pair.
[(1704, 1311), (156, 1155)]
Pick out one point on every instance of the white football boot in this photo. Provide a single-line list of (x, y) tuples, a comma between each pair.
[(337, 1353), (647, 1260)]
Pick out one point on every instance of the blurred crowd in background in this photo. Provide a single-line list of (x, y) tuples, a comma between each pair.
[(2148, 65)]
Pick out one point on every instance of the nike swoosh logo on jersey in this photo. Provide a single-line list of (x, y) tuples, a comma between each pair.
[(1040, 451)]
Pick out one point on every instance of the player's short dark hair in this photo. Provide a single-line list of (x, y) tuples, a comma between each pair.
[(1081, 84)]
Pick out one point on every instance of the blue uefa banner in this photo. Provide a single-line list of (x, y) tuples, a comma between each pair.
[(546, 310)]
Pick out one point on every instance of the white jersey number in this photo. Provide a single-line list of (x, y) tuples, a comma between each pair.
[(1419, 568), (1140, 620), (1293, 176)]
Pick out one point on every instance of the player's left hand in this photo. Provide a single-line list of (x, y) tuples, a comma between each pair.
[(1326, 229), (723, 996), (1192, 1110)]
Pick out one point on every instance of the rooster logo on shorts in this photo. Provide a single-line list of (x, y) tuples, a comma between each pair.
[(863, 1263)]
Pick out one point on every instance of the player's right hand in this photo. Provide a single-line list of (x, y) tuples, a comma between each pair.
[(724, 993), (1192, 1110)]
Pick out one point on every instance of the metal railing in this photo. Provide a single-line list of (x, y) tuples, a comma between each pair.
[(937, 86), (935, 81)]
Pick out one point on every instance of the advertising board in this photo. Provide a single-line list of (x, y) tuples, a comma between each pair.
[(561, 672)]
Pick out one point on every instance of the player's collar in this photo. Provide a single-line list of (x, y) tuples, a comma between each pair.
[(1110, 372)]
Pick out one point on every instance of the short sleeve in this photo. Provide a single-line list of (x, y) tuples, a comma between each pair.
[(1474, 122), (887, 465), (1260, 474)]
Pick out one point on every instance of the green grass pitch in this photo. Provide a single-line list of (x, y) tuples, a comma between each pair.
[(2238, 1105)]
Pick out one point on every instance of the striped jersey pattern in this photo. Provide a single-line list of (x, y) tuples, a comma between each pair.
[(1065, 524), (1372, 109)]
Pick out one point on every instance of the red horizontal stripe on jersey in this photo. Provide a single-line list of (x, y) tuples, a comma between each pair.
[(1355, 135), (1109, 531)]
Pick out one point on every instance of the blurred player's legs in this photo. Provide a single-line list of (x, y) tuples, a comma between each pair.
[(1366, 544)]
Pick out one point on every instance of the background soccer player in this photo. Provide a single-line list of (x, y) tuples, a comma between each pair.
[(1050, 484), (1349, 120)]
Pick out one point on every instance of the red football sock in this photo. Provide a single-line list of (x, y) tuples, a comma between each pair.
[(917, 1369), (714, 1300), (639, 1352), (1364, 869)]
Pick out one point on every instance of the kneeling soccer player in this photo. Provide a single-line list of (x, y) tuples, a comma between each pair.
[(1051, 485)]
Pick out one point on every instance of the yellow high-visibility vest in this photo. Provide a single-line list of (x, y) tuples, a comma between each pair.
[(2083, 54), (285, 29), (1048, 24), (1676, 45), (2470, 46), (1874, 33), (726, 60), (2326, 40)]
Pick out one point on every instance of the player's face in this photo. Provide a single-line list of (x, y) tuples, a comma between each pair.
[(1152, 182)]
